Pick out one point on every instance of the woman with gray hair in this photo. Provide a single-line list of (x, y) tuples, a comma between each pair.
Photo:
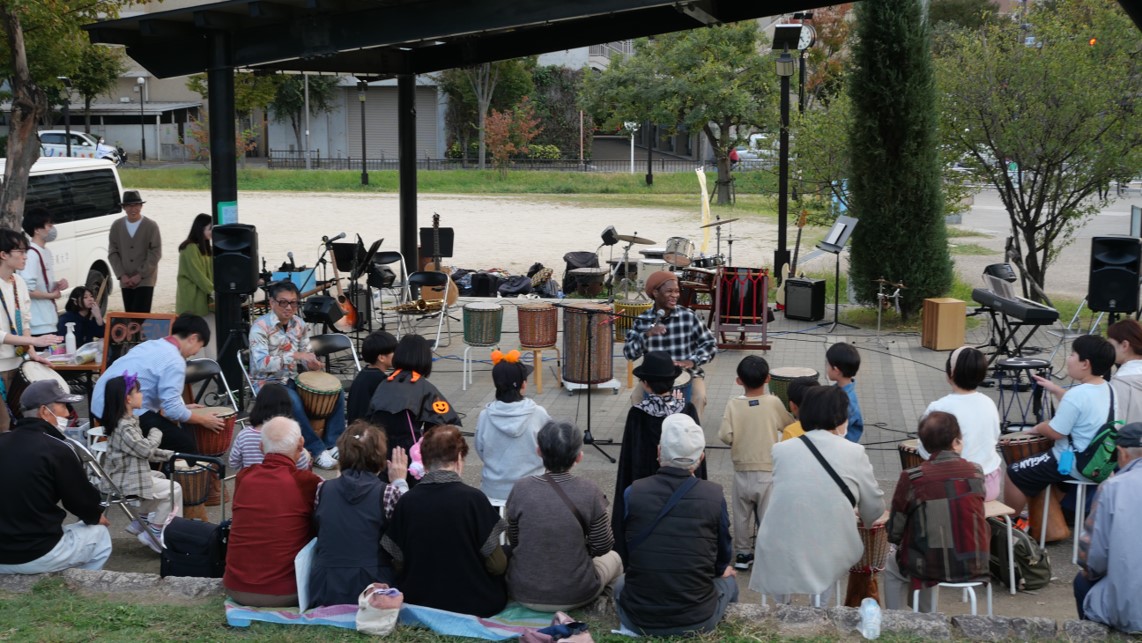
[(562, 556)]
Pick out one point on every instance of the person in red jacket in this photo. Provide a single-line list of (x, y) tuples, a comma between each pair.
[(273, 520)]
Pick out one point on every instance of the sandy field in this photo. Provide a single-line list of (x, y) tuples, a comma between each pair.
[(491, 231)]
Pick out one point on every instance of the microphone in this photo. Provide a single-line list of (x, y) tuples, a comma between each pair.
[(660, 314), (292, 265), (328, 240)]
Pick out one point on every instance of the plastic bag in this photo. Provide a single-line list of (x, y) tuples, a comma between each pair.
[(89, 352), (378, 607)]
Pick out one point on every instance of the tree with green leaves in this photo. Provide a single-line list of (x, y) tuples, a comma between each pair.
[(288, 104), (711, 80), (510, 133), (251, 91), (1048, 124), (473, 91), (557, 106), (968, 14), (895, 186), (98, 71)]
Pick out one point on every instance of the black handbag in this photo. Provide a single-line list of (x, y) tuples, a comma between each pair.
[(517, 285), (194, 548)]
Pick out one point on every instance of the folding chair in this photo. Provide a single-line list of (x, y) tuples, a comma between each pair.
[(90, 460), (424, 280), (329, 343), (206, 370), (243, 357), (397, 289)]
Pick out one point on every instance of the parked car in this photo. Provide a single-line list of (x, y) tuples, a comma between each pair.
[(53, 143)]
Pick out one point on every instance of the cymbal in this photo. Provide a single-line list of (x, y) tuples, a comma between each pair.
[(882, 281), (630, 238), (718, 223)]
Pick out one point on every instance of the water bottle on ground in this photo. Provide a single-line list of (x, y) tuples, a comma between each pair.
[(870, 618)]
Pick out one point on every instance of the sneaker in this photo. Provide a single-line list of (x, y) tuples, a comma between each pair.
[(136, 527), (743, 561), (150, 537), (326, 460), (336, 453)]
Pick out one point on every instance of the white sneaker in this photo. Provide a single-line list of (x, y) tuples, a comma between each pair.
[(326, 460), (148, 538), (136, 527), (336, 453)]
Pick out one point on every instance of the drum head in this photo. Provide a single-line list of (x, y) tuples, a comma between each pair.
[(793, 372), (912, 445), (319, 381), (483, 306), (220, 411), (35, 372), (683, 379)]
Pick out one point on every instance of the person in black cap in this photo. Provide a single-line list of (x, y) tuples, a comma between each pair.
[(134, 248), (44, 481), (639, 455), (1109, 581), (507, 428)]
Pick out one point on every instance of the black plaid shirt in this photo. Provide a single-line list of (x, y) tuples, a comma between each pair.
[(686, 338)]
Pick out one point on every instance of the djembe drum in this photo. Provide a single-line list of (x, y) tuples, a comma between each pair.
[(195, 481), (483, 324), (862, 576), (586, 348), (210, 442), (779, 379), (631, 308), (318, 391), (910, 454), (538, 325), (1018, 446)]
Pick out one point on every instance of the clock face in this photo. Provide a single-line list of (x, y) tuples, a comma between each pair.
[(808, 37)]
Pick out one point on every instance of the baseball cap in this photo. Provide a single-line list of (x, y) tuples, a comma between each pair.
[(45, 392), (1130, 436), (508, 375), (682, 441)]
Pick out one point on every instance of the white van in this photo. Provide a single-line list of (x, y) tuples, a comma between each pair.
[(84, 197), (53, 143)]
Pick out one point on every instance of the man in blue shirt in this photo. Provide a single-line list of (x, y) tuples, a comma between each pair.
[(160, 365)]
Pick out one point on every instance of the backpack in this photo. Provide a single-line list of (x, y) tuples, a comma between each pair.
[(1098, 460), (1032, 565)]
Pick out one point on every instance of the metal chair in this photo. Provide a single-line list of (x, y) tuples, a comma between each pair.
[(398, 290), (91, 460), (424, 280), (325, 345), (243, 357), (207, 370)]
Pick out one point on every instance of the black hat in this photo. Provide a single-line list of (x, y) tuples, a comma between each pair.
[(508, 375), (657, 365), (131, 197), (1130, 436)]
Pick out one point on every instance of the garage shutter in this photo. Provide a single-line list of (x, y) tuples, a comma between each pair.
[(381, 121)]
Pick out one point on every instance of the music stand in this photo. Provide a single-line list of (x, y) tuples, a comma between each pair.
[(834, 243)]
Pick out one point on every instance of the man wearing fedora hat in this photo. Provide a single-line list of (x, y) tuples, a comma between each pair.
[(134, 248), (674, 329)]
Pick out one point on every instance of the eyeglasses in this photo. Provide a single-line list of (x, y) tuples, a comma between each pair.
[(287, 303)]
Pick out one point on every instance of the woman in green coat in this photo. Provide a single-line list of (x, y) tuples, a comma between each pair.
[(196, 271)]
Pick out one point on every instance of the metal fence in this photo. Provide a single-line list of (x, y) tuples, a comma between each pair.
[(290, 160)]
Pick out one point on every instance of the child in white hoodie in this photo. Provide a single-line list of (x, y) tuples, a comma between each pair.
[(506, 429)]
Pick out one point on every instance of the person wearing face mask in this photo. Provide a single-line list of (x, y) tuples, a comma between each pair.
[(45, 481), (39, 272)]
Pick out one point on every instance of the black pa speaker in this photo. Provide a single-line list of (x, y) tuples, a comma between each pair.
[(804, 299), (1115, 263), (235, 258), (321, 309)]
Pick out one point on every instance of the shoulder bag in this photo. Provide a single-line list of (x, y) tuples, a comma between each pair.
[(829, 469)]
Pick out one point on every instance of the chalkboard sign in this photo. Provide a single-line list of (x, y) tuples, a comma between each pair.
[(124, 331)]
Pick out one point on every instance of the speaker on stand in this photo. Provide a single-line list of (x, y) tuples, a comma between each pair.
[(235, 277), (1115, 265)]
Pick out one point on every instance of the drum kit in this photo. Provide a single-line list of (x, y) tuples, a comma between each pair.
[(678, 255)]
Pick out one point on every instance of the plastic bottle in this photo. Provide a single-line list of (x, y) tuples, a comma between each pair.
[(69, 341), (870, 618)]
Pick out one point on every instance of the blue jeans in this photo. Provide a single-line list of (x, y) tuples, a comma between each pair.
[(81, 546), (334, 426), (1082, 586)]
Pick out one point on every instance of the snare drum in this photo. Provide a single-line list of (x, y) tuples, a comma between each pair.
[(647, 267), (28, 373), (698, 278), (483, 323), (779, 379), (910, 454), (1022, 445), (586, 362), (318, 391), (538, 325), (208, 442), (875, 556), (708, 262), (678, 251), (623, 324)]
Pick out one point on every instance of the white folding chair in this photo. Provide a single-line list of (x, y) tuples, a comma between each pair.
[(969, 591)]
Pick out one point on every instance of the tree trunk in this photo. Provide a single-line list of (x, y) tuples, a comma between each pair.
[(87, 114), (483, 118), (295, 123), (29, 104), (724, 180)]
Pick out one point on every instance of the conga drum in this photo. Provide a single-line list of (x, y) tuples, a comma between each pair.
[(538, 325), (1016, 447), (909, 454), (586, 346), (318, 391), (208, 442), (631, 308), (483, 323), (779, 379), (862, 576)]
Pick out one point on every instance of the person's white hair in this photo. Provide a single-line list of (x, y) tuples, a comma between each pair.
[(280, 435)]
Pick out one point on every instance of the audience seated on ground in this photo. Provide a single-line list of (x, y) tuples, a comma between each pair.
[(444, 536), (937, 524), (506, 429), (44, 482), (808, 537), (273, 520), (350, 517), (679, 577), (1108, 587), (273, 401), (562, 556)]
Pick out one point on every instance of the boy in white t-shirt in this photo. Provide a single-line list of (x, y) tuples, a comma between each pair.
[(1082, 410)]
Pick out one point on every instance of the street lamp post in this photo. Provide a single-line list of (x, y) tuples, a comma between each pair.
[(785, 64), (361, 87), (649, 153), (632, 127), (142, 83), (67, 112)]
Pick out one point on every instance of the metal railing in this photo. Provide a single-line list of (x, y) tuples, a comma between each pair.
[(289, 160)]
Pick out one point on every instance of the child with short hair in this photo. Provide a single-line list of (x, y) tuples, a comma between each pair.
[(127, 464), (843, 362), (273, 401), (377, 352), (751, 426), (796, 392)]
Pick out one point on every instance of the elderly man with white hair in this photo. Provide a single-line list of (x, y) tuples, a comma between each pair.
[(273, 520), (679, 579)]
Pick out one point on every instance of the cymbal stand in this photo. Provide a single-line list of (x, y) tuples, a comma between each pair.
[(730, 243), (882, 303), (626, 284), (718, 236)]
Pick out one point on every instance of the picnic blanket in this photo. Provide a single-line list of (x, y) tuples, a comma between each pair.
[(511, 623)]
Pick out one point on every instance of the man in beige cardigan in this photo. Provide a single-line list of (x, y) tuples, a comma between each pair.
[(134, 248)]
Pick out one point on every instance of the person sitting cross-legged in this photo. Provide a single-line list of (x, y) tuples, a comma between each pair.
[(937, 522), (562, 556)]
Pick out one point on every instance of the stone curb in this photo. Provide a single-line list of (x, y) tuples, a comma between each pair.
[(799, 621), (107, 582)]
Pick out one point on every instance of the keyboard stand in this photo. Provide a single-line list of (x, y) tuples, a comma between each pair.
[(1006, 328)]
